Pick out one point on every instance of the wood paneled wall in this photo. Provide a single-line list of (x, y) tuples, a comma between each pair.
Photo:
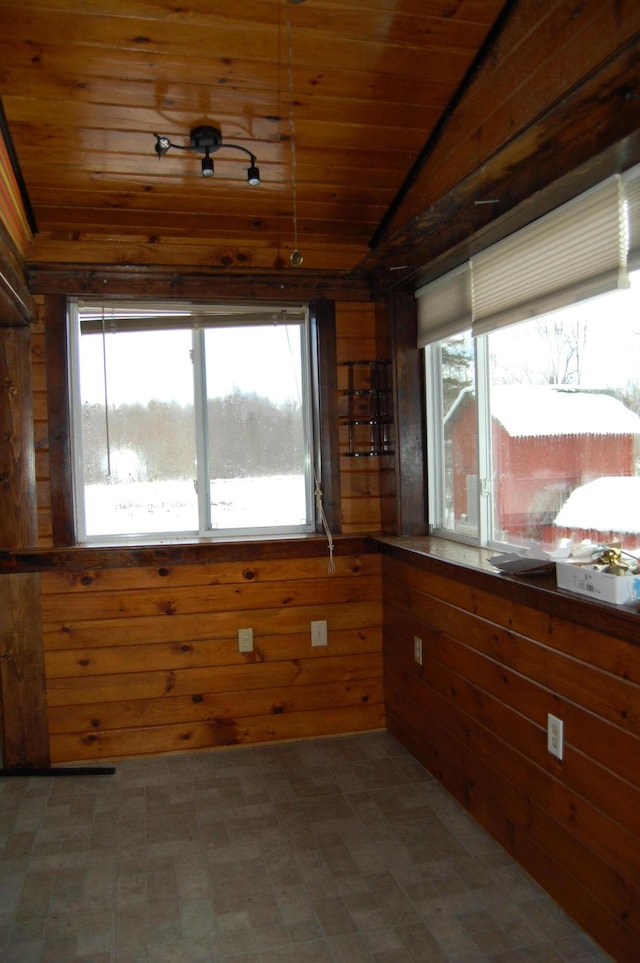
[(23, 730), (475, 713), (41, 428), (145, 660), (364, 481)]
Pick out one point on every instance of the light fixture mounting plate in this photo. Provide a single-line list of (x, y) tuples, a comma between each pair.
[(205, 136)]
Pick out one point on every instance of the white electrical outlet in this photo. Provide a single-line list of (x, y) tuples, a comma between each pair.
[(417, 649), (555, 736), (319, 632), (245, 640)]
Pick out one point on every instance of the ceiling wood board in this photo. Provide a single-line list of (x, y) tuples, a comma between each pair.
[(537, 64), (85, 86)]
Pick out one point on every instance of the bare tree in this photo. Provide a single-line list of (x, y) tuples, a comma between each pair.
[(556, 358), (565, 344)]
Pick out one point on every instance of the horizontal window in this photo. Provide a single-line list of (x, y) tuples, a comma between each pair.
[(534, 429), (190, 420), (533, 384)]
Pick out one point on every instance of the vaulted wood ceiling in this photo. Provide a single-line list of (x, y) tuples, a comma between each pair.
[(361, 84)]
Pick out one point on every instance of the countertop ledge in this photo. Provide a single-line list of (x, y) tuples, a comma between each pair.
[(446, 558)]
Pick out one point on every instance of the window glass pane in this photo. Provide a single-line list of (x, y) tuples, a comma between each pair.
[(138, 434), (255, 427), (190, 419), (459, 457), (565, 424)]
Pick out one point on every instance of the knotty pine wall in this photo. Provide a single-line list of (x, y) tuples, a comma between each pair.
[(367, 483), (144, 660), (475, 714), (40, 429)]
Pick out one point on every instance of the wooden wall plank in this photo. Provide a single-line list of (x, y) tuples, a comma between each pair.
[(106, 659), (596, 738), (175, 601), (125, 714), (214, 573), (17, 465), (130, 662), (24, 729), (596, 647), (216, 733), (22, 676), (157, 682), (357, 340), (475, 712), (205, 625)]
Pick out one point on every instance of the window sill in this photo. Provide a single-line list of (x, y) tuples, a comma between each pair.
[(181, 552), (470, 564)]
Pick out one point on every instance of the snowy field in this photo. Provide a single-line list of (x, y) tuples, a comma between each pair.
[(139, 508)]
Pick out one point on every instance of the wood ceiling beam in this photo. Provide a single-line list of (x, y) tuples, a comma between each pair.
[(193, 284)]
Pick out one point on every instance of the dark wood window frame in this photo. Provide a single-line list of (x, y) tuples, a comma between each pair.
[(324, 401)]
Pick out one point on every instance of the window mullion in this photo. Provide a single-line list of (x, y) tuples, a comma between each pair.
[(313, 464), (202, 433), (76, 421), (485, 460), (435, 438)]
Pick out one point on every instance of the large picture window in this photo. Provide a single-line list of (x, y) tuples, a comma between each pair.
[(533, 406), (190, 420)]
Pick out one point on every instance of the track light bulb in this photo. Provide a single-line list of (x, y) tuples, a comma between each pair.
[(253, 175), (207, 165)]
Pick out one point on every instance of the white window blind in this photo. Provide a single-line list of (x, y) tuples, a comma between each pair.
[(582, 249), (631, 186), (444, 306), (576, 252), (114, 316)]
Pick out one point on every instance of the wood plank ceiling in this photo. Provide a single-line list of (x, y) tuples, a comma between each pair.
[(359, 84)]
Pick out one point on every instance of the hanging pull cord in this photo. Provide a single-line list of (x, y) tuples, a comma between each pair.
[(325, 525), (107, 430), (317, 491)]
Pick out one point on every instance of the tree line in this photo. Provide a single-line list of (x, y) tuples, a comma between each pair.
[(248, 436)]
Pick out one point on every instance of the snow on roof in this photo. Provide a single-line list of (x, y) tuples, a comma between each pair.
[(535, 410), (604, 505)]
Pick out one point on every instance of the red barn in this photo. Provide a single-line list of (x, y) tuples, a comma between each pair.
[(547, 440)]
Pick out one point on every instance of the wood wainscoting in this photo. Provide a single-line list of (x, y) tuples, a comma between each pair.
[(141, 647), (498, 655)]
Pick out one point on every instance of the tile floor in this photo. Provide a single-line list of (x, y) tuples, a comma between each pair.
[(338, 850)]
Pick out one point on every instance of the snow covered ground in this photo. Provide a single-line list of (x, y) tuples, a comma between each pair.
[(139, 508), (608, 504)]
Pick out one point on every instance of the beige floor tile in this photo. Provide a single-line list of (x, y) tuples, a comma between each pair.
[(336, 850)]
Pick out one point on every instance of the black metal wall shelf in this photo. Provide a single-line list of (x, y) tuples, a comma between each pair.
[(369, 415)]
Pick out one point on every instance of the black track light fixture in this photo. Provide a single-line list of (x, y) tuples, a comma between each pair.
[(206, 140), (207, 164)]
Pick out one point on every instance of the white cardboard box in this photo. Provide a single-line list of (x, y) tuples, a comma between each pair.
[(602, 586)]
